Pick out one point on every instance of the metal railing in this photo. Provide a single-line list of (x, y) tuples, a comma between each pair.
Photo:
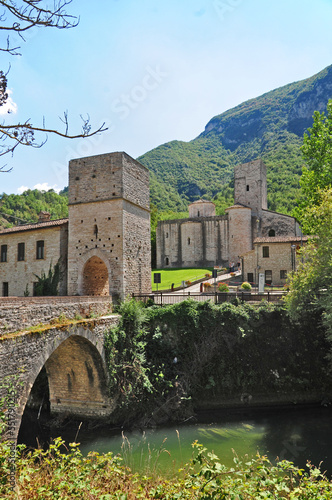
[(162, 299)]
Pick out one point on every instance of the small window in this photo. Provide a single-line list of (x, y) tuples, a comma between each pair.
[(247, 187), (5, 289), (166, 235), (21, 251), (198, 213), (95, 231), (250, 277), (40, 249), (188, 241), (272, 232), (167, 261), (283, 274), (266, 252), (4, 253), (268, 277)]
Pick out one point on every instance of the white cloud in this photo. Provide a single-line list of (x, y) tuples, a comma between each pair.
[(46, 187), (10, 106), (21, 189), (41, 187)]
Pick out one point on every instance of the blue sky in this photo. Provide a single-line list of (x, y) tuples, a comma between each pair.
[(154, 72)]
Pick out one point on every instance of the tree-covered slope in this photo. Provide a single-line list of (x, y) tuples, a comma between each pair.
[(25, 207), (270, 127)]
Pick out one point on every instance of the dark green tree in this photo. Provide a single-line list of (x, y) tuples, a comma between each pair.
[(47, 284), (317, 173)]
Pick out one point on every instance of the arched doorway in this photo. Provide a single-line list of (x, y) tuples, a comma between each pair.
[(95, 277)]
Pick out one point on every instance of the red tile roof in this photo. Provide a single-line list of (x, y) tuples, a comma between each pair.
[(37, 225), (281, 239)]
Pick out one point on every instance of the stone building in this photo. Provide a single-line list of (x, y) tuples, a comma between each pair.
[(205, 239), (274, 256), (104, 245)]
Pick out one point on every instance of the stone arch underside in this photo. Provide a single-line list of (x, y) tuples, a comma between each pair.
[(77, 381), (82, 371), (95, 279)]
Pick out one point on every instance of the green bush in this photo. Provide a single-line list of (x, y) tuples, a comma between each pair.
[(223, 287), (246, 286)]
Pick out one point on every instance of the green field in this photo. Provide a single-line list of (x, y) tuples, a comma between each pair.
[(176, 276)]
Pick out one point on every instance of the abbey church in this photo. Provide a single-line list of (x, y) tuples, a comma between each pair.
[(262, 240), (103, 247)]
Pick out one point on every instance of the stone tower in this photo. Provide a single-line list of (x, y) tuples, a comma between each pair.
[(109, 226), (250, 188)]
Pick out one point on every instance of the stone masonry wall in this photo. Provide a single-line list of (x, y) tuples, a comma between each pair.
[(96, 229), (201, 241), (280, 259), (24, 355), (20, 313), (137, 250), (21, 274)]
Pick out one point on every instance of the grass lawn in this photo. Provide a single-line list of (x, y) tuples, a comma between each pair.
[(176, 276)]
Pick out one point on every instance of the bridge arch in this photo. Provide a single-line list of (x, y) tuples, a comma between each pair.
[(77, 375)]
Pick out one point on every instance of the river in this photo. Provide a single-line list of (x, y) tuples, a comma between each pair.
[(296, 434)]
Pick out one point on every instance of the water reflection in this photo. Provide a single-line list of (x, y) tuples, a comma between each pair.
[(297, 435)]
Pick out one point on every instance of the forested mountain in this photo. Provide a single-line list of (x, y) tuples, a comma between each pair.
[(270, 127), (25, 207)]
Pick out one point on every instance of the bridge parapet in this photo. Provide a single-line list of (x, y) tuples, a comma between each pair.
[(17, 313)]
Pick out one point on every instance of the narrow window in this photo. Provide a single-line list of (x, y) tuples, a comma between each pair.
[(166, 261), (3, 253), (272, 232), (21, 251), (250, 277), (266, 252), (268, 277), (95, 231), (40, 249), (283, 274), (5, 289), (247, 187), (166, 235), (198, 213), (188, 241)]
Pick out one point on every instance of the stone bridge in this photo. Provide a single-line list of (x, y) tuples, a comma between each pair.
[(74, 360)]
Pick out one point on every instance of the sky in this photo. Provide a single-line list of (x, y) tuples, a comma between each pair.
[(153, 72)]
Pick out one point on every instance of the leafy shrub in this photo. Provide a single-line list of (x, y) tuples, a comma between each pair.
[(223, 287), (246, 286)]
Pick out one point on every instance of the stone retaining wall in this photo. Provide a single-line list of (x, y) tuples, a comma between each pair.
[(17, 313)]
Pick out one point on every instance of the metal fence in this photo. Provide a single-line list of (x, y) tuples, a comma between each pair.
[(163, 299)]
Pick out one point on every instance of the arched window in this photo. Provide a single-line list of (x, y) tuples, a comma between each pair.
[(166, 261), (272, 232)]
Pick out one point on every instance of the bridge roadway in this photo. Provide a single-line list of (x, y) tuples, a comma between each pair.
[(74, 359)]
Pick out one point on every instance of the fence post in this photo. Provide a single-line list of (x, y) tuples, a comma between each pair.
[(268, 296), (161, 298)]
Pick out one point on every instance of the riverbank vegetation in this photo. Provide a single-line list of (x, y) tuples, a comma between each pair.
[(62, 473), (165, 362)]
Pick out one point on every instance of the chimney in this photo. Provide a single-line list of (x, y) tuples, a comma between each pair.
[(44, 217)]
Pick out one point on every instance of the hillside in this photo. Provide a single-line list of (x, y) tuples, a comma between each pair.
[(25, 207), (270, 127)]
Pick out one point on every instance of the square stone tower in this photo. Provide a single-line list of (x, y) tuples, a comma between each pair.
[(250, 187), (109, 226)]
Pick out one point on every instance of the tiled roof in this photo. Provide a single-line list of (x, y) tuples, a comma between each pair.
[(201, 201), (281, 239), (238, 205), (37, 225)]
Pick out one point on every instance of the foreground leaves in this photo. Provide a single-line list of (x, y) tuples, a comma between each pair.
[(66, 474)]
